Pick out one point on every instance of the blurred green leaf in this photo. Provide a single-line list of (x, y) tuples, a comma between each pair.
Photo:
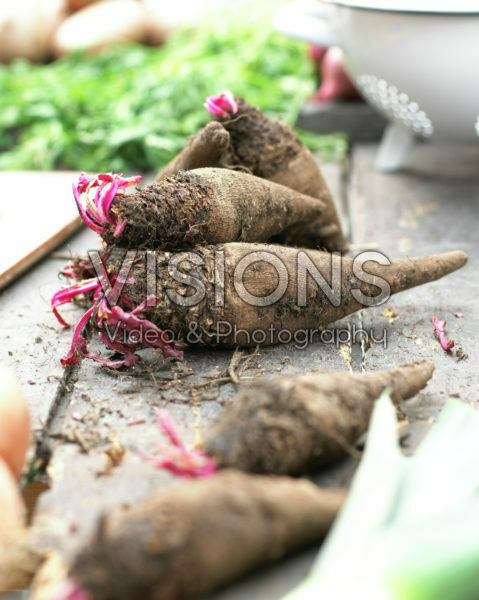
[(410, 527), (132, 108)]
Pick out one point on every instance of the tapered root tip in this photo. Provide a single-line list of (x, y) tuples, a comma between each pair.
[(439, 265), (423, 368), (406, 273), (409, 378), (455, 260)]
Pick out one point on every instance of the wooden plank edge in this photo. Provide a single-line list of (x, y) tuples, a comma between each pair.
[(13, 272)]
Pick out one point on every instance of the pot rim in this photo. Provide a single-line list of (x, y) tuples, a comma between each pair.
[(442, 7)]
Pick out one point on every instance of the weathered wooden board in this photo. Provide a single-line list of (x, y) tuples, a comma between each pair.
[(431, 206), (31, 336), (396, 212)]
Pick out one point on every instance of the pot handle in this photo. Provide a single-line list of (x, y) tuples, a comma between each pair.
[(306, 20)]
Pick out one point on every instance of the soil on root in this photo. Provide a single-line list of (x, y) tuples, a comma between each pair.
[(164, 215), (190, 540), (273, 428), (257, 143), (296, 425)]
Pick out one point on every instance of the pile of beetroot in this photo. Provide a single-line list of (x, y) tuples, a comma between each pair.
[(242, 184), (241, 180)]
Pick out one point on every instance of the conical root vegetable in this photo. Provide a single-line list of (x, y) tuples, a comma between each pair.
[(262, 288), (295, 425), (267, 149), (190, 540), (242, 295), (203, 206), (204, 149)]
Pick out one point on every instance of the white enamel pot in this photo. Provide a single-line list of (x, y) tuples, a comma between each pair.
[(416, 61)]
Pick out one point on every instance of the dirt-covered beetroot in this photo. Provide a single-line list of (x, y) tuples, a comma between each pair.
[(241, 294), (203, 206), (295, 425), (253, 275), (192, 539), (267, 149)]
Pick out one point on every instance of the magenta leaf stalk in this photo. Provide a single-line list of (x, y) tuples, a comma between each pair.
[(178, 459), (123, 331), (67, 294), (222, 104), (94, 197), (439, 327)]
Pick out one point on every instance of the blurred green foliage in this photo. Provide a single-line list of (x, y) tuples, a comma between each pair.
[(132, 108)]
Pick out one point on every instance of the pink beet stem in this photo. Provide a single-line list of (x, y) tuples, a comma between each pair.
[(440, 334), (66, 295), (180, 460), (98, 214), (222, 104)]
